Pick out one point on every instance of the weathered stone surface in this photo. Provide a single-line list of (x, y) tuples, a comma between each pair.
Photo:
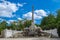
[(39, 38)]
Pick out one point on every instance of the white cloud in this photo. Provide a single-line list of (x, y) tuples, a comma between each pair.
[(1, 19), (10, 21), (41, 12), (38, 14), (7, 8), (20, 4), (29, 16), (19, 18)]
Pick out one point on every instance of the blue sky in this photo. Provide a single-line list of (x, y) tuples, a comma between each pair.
[(12, 10)]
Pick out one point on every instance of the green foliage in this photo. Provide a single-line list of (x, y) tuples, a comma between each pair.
[(13, 25), (37, 25), (3, 25), (48, 22), (58, 22), (20, 25), (27, 23), (51, 22)]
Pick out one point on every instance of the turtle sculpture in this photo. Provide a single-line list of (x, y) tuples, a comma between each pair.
[(32, 32)]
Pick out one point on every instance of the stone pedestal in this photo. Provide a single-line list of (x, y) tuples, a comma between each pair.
[(33, 27)]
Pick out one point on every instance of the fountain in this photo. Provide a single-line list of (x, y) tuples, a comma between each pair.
[(33, 30)]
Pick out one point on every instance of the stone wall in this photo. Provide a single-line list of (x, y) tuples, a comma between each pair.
[(9, 33)]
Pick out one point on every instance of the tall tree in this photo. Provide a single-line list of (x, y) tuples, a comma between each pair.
[(58, 18), (20, 25), (58, 22), (3, 25), (27, 23), (13, 25), (48, 22)]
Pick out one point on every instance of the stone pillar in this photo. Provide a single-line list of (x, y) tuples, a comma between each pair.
[(32, 14), (32, 27)]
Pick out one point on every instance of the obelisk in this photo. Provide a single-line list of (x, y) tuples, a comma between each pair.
[(32, 27), (33, 14)]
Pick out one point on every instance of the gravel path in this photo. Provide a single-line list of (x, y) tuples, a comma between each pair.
[(41, 38)]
